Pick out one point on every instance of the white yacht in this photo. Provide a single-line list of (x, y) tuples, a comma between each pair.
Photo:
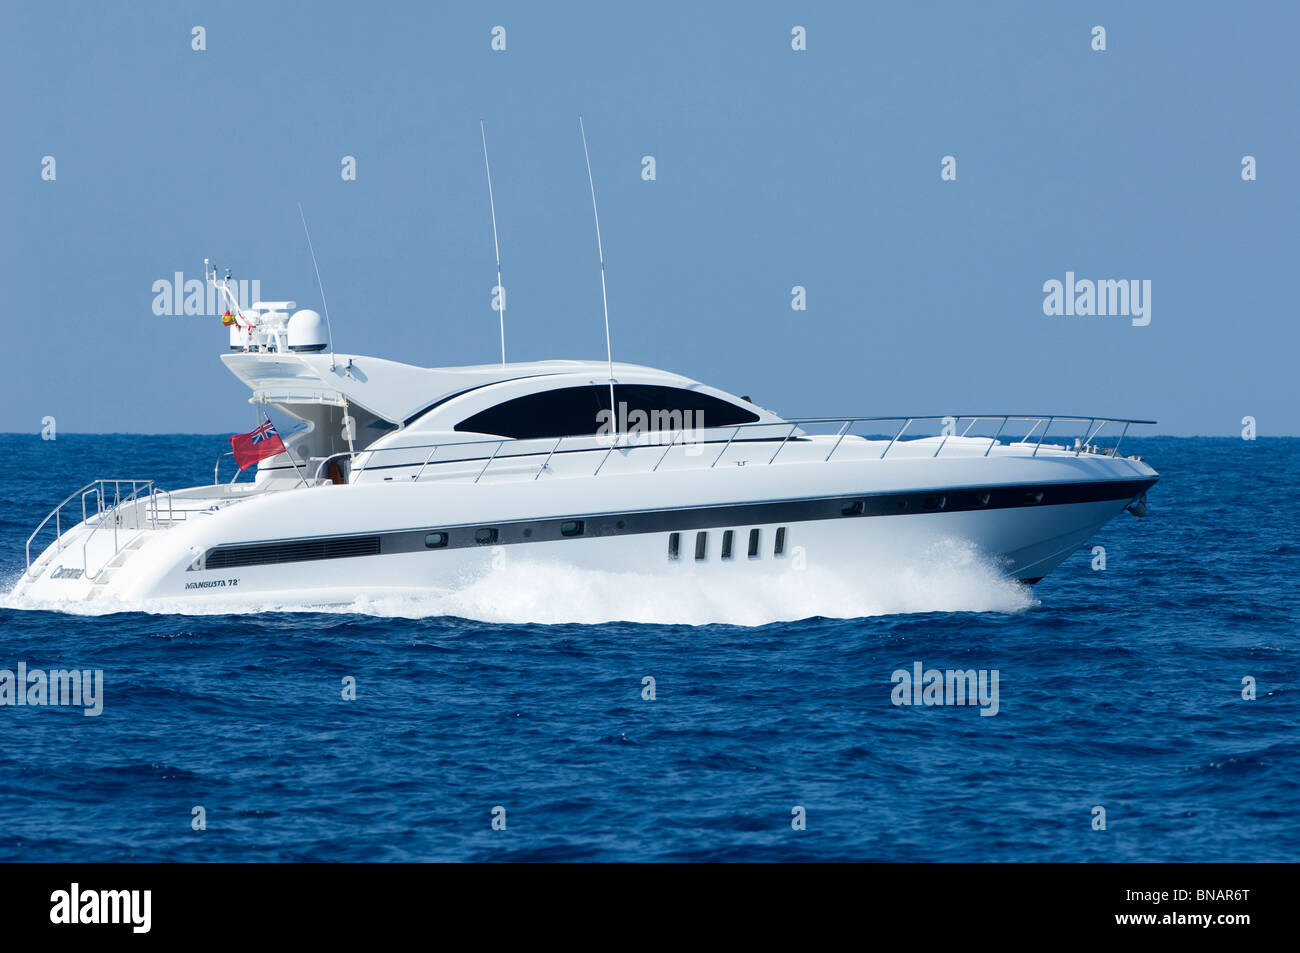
[(402, 479)]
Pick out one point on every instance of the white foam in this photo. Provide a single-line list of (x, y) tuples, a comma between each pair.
[(949, 577)]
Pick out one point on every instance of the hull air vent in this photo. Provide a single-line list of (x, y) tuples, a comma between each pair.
[(260, 554)]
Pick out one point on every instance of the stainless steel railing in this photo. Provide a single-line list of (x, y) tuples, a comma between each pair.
[(99, 489), (114, 513), (1084, 444), (129, 504)]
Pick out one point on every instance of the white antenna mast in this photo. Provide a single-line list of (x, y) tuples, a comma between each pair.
[(495, 244), (604, 298), (319, 284)]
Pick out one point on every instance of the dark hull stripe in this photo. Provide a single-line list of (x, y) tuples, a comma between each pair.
[(466, 536)]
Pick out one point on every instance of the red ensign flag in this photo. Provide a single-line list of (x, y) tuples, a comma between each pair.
[(256, 445)]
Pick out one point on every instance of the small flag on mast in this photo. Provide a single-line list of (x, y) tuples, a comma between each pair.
[(257, 444)]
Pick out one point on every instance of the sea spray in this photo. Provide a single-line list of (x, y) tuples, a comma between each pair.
[(949, 576)]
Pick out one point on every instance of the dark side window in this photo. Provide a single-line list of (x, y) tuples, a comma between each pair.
[(575, 411)]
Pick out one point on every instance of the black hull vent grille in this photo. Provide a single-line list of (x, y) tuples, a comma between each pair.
[(259, 554)]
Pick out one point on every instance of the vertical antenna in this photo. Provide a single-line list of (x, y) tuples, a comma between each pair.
[(604, 299), (495, 244), (319, 284)]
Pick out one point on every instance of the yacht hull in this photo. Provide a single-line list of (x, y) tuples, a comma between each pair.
[(336, 544)]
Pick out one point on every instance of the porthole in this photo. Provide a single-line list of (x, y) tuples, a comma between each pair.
[(753, 544), (572, 528), (779, 548), (853, 508), (727, 538), (674, 545), (934, 502), (435, 540), (701, 545), (1033, 497), (485, 535)]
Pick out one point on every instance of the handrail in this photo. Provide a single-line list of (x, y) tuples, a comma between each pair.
[(1042, 436), (794, 425), (153, 503), (137, 486), (495, 451), (894, 439), (994, 442), (545, 463), (499, 444), (216, 468), (99, 489), (725, 447), (102, 511), (671, 440), (416, 478), (54, 513)]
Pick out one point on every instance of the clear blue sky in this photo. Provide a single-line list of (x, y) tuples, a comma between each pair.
[(775, 168)]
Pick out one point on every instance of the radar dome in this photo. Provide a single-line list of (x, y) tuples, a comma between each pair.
[(307, 332)]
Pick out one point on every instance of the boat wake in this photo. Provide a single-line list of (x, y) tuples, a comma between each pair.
[(949, 577)]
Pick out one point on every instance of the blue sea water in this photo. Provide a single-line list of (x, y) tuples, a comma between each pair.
[(1119, 688)]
